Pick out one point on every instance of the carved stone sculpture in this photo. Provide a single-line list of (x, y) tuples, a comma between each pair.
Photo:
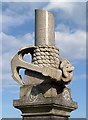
[(43, 92)]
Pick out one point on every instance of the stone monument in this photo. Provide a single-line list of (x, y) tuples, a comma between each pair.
[(43, 94)]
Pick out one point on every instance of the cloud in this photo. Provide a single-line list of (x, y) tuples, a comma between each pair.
[(72, 45), (11, 45), (66, 6), (69, 11), (80, 76), (63, 28), (24, 12), (15, 42), (12, 17), (16, 14), (60, 5)]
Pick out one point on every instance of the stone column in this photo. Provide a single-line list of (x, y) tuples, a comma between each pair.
[(44, 28), (43, 94)]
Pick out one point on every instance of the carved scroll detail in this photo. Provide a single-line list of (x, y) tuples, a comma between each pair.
[(67, 69)]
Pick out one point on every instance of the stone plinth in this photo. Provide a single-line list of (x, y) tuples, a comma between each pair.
[(47, 117), (45, 101), (39, 107)]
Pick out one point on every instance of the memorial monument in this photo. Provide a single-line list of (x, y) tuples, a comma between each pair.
[(43, 94)]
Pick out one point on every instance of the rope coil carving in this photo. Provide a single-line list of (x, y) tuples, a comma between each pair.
[(46, 56)]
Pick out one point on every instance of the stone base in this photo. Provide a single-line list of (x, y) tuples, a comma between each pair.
[(45, 118), (37, 107)]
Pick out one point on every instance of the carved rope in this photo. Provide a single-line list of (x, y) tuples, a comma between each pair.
[(46, 56)]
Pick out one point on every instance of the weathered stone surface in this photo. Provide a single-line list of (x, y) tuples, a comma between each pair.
[(44, 28), (45, 118), (43, 94), (60, 71), (36, 104), (47, 56), (18, 63)]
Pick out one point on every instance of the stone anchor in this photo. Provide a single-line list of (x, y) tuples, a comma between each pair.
[(43, 93)]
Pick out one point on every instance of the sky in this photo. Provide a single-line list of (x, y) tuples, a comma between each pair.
[(17, 31)]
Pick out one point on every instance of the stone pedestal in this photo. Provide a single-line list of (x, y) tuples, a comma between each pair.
[(49, 108), (44, 101), (43, 94), (47, 117)]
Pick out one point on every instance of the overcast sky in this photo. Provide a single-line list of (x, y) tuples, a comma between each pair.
[(70, 36)]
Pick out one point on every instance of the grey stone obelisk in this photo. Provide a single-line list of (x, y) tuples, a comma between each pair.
[(43, 94)]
